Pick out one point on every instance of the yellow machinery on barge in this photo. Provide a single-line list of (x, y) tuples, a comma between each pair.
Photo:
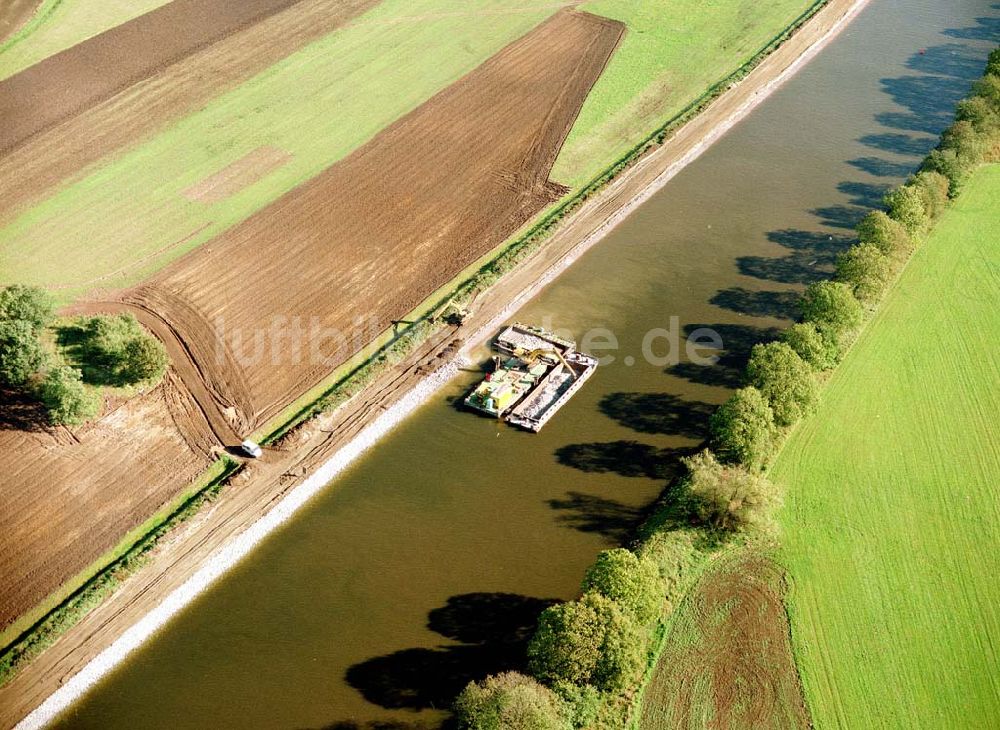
[(535, 374)]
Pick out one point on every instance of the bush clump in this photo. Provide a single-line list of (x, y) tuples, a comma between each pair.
[(784, 379), (810, 345), (906, 205), (730, 498), (743, 429), (888, 235), (31, 304), (933, 188), (121, 351), (589, 641), (66, 398), (632, 582), (509, 701), (21, 353), (866, 270), (834, 310)]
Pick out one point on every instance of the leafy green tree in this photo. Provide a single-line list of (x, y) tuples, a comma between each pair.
[(993, 64), (833, 308), (589, 641), (904, 205), (743, 429), (509, 701), (566, 644), (21, 354), (30, 304), (630, 581), (143, 358), (730, 498), (969, 144), (878, 229), (121, 351), (978, 111), (811, 346), (581, 704), (933, 188), (948, 163), (784, 379), (866, 270), (66, 398)]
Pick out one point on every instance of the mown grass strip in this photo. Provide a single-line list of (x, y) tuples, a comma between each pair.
[(891, 526)]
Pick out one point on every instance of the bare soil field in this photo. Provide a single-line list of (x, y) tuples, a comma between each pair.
[(728, 659), (78, 77), (234, 177), (14, 14), (126, 116), (273, 305), (69, 495)]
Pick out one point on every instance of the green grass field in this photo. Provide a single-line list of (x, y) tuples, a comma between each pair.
[(892, 518), (671, 53), (59, 24)]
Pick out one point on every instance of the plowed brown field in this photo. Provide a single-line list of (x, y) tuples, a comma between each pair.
[(728, 661), (88, 72), (335, 261), (67, 496), (45, 159)]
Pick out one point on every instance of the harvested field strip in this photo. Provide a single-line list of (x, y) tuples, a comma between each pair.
[(132, 205), (727, 660), (237, 175), (892, 519), (365, 242), (63, 152), (72, 80), (59, 24), (56, 514)]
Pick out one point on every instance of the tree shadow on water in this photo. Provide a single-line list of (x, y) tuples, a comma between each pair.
[(659, 413), (493, 630), (625, 458), (811, 257), (985, 29), (727, 372), (779, 304)]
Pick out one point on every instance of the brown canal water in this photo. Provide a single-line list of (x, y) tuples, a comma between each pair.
[(427, 563)]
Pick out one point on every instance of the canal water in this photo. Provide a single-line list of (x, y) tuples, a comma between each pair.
[(426, 564)]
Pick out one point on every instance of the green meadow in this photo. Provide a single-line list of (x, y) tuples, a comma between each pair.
[(672, 52), (891, 530)]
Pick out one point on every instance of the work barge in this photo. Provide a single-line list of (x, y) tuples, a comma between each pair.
[(535, 373)]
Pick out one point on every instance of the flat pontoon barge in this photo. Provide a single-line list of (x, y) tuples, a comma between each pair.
[(535, 374)]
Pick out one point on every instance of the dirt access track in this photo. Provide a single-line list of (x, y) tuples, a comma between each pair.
[(728, 656), (273, 305)]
